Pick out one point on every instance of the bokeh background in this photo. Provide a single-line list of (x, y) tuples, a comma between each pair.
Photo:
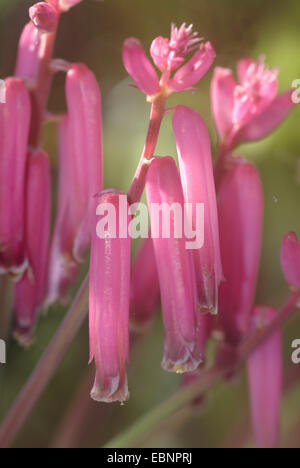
[(93, 33)]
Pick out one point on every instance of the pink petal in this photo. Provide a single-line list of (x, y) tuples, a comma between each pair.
[(145, 292), (109, 303), (14, 131), (290, 259), (222, 93), (192, 72), (193, 146), (240, 204), (30, 291), (139, 67), (266, 122), (160, 51), (265, 383), (242, 67), (175, 270)]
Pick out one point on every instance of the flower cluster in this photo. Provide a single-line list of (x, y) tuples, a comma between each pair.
[(169, 55), (202, 291), (38, 271)]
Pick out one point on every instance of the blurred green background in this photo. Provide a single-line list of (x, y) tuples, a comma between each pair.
[(93, 33)]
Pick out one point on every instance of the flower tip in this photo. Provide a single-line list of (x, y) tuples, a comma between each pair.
[(191, 364), (44, 17), (114, 391), (24, 337)]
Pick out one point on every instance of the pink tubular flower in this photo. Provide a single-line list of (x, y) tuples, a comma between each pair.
[(85, 134), (80, 174), (265, 383), (240, 205), (28, 54), (109, 301), (175, 268), (139, 67), (14, 130), (63, 268), (248, 110), (290, 259), (33, 62), (193, 146), (168, 55), (144, 286), (44, 17), (30, 291)]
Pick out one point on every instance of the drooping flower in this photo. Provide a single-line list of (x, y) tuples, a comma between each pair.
[(144, 286), (30, 291), (168, 55), (15, 116), (27, 64), (290, 259), (81, 177), (240, 207), (63, 268), (109, 299), (193, 146), (265, 382), (247, 110), (175, 267)]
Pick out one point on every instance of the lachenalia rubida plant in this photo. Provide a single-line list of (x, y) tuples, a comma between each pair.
[(211, 287)]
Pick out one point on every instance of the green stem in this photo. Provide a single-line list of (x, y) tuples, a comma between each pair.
[(46, 368), (157, 113), (151, 421)]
